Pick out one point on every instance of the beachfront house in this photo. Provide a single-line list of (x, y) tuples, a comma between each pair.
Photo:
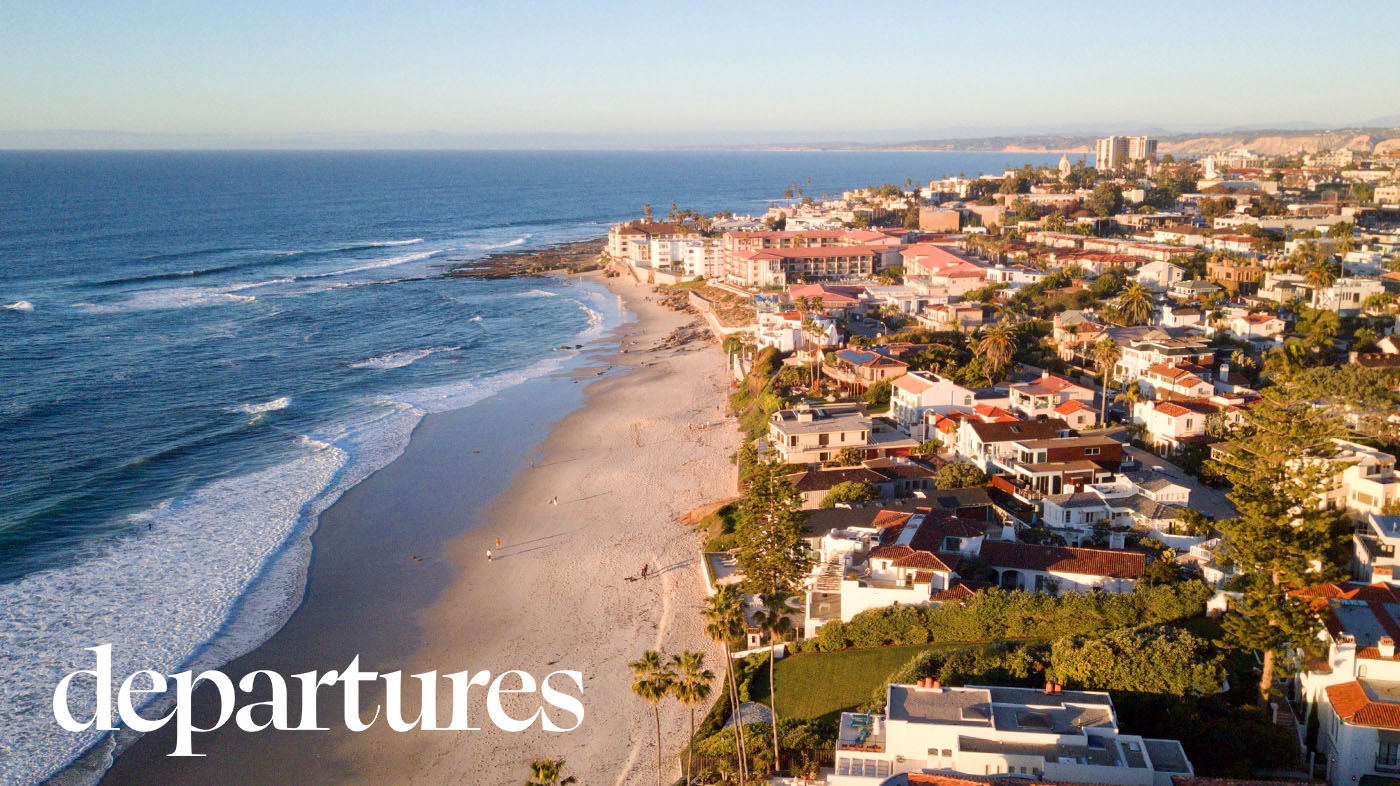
[(1050, 735)]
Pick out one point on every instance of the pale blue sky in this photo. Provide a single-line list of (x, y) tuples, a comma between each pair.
[(661, 73)]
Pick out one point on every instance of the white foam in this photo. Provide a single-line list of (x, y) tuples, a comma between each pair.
[(379, 243), (20, 305), (476, 318), (390, 262), (519, 241), (402, 358), (219, 571), (537, 293), (266, 406), (154, 594), (169, 298)]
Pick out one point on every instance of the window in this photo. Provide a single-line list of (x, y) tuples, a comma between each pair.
[(947, 753), (1091, 451), (823, 439), (1388, 755)]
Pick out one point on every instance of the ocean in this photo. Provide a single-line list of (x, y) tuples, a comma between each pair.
[(200, 351)]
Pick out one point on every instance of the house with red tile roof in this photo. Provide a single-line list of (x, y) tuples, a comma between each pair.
[(1256, 326), (1182, 380), (1039, 397), (1356, 686), (1173, 425), (859, 369), (1061, 569)]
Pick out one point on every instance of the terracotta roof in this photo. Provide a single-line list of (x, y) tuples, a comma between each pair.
[(1071, 406), (1047, 384), (810, 252), (1355, 706), (912, 383), (922, 560), (1089, 562), (1186, 407)]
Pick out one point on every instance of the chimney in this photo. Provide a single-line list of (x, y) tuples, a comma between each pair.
[(1387, 647), (935, 684), (1049, 687), (1059, 687), (1044, 374)]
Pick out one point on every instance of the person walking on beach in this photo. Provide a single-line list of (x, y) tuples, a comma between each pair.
[(498, 542), (645, 567), (488, 555)]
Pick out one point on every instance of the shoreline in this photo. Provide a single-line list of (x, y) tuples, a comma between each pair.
[(420, 610)]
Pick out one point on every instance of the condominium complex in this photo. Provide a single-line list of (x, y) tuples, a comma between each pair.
[(1115, 151)]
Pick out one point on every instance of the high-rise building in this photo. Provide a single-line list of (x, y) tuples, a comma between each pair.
[(1114, 151)]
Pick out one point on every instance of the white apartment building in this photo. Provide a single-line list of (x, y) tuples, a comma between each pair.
[(1053, 735), (1115, 151), (1159, 348), (1367, 482), (1346, 295), (920, 392)]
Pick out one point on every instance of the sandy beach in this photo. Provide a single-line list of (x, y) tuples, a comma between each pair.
[(400, 575), (624, 468)]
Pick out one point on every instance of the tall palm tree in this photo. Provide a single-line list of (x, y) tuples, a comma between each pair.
[(774, 621), (692, 687), (725, 620), (1135, 304), (996, 347), (651, 680), (549, 772), (1106, 354)]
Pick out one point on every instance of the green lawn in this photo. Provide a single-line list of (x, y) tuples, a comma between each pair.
[(813, 684)]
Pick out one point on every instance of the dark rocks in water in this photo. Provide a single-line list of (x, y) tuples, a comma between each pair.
[(575, 257)]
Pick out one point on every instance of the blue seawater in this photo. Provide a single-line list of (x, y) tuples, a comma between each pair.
[(199, 351)]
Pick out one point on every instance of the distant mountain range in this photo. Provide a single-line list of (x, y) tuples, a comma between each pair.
[(1383, 136)]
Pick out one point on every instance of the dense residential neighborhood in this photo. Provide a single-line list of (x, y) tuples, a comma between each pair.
[(1167, 385)]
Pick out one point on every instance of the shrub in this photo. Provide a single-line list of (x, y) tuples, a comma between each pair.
[(1151, 659), (959, 475), (850, 491), (995, 614)]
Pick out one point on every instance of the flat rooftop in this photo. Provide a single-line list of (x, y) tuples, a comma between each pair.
[(1006, 709)]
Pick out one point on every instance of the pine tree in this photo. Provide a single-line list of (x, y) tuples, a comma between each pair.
[(1280, 467), (772, 553)]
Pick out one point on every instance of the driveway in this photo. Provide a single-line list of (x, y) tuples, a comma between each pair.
[(1203, 498)]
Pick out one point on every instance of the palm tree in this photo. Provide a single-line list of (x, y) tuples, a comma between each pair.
[(1320, 276), (692, 687), (1106, 354), (725, 620), (549, 772), (774, 621), (651, 680), (1131, 396), (1135, 304), (996, 347)]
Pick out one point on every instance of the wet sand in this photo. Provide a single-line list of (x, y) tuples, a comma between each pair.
[(623, 462)]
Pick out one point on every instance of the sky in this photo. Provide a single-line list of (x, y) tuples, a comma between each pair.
[(608, 74)]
